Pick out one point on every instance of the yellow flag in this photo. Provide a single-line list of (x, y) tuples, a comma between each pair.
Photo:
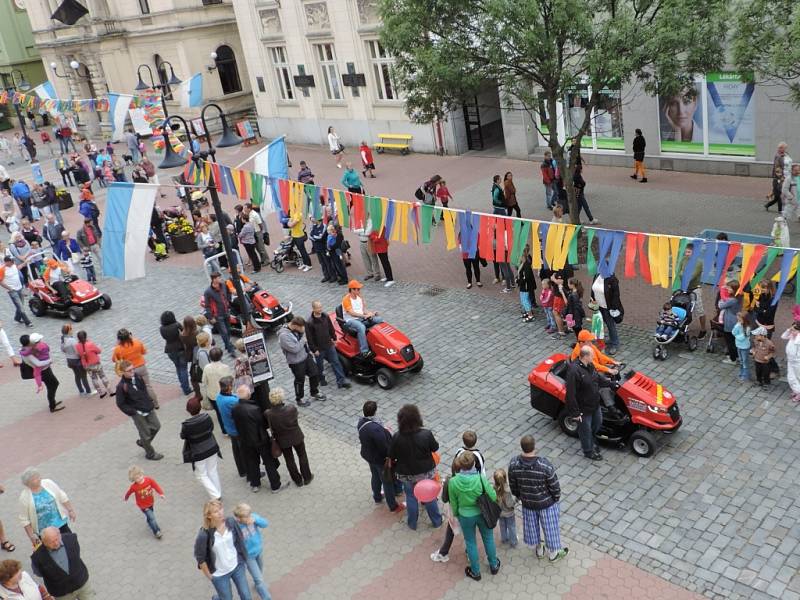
[(450, 228), (792, 270), (663, 257), (404, 222), (536, 246), (560, 258), (675, 244), (384, 209), (555, 233), (652, 258), (747, 254)]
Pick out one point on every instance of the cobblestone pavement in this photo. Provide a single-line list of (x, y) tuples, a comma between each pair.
[(714, 512)]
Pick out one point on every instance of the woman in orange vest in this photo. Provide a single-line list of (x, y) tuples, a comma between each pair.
[(132, 350), (601, 362)]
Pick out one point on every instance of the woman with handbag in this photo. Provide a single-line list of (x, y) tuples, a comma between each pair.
[(68, 343), (474, 503), (173, 347), (411, 452), (16, 584), (336, 146), (282, 420), (200, 448)]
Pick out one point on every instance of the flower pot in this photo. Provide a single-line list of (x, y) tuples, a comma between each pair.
[(183, 244)]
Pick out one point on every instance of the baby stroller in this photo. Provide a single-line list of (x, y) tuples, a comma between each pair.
[(286, 252), (684, 303)]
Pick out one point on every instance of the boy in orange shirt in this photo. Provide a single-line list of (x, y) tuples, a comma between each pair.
[(145, 489)]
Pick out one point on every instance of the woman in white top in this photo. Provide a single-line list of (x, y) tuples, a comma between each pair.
[(220, 552), (336, 147), (16, 584)]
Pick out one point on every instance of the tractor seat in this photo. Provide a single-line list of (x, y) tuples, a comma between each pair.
[(346, 327)]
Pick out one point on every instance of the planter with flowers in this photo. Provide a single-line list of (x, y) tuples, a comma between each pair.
[(181, 233)]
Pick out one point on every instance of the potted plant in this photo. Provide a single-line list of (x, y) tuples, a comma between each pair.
[(181, 233)]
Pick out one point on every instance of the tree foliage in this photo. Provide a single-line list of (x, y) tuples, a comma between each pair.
[(446, 50), (766, 43)]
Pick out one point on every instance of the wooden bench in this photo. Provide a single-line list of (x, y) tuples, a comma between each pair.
[(394, 141)]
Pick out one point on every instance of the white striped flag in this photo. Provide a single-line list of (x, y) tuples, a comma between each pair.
[(129, 207)]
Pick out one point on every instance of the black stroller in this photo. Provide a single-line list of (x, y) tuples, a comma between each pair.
[(286, 252), (684, 301)]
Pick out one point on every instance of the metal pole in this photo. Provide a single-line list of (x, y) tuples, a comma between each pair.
[(233, 268)]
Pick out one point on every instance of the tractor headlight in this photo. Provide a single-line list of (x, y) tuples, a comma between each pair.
[(391, 351), (657, 409)]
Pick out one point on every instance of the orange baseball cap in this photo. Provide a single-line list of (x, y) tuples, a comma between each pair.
[(584, 335), (354, 284)]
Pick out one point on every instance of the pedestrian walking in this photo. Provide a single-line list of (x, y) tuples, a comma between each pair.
[(132, 350), (463, 490), (255, 444), (12, 282), (351, 180), (367, 162), (43, 504), (134, 400), (510, 194), (89, 353), (300, 360), (579, 183), (639, 145), (282, 419), (217, 300), (335, 146), (5, 544), (533, 480), (88, 238), (443, 194), (250, 524), (132, 142), (200, 448), (498, 198), (791, 194), (36, 355), (411, 451), (583, 385), (68, 347), (209, 361), (225, 402), (375, 439), (48, 560), (170, 331), (144, 490), (380, 245), (321, 338), (221, 554), (548, 169)]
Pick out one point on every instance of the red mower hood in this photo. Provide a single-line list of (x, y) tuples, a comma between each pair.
[(83, 290)]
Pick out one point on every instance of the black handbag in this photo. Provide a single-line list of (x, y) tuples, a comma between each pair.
[(25, 371), (490, 510)]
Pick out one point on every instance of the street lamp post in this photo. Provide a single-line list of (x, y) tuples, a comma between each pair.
[(172, 159), (23, 86), (173, 80)]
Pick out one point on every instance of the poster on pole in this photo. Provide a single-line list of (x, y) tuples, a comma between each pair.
[(256, 347)]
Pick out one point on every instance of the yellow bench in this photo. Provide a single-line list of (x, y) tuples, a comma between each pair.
[(394, 141)]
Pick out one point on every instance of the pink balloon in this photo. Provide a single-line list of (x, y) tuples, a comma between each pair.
[(427, 490)]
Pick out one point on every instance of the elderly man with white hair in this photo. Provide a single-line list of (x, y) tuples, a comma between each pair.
[(43, 504), (583, 400), (58, 562)]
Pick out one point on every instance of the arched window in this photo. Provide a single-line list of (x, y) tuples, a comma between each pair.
[(163, 78), (228, 71)]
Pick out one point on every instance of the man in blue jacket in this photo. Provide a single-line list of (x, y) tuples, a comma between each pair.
[(22, 194), (375, 440)]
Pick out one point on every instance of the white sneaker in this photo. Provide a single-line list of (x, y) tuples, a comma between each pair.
[(540, 551), (388, 284), (594, 222), (383, 279), (728, 361), (436, 557)]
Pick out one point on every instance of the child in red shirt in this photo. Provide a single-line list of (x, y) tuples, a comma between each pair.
[(443, 194), (367, 162), (145, 488)]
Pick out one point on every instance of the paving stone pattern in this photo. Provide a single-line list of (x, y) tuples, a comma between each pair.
[(714, 511)]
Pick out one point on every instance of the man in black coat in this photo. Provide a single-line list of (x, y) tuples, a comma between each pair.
[(58, 562), (639, 145), (583, 400), (133, 400), (254, 441), (375, 439), (321, 339), (217, 300)]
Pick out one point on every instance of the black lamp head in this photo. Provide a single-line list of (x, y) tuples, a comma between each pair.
[(171, 158), (228, 138), (173, 80), (141, 86)]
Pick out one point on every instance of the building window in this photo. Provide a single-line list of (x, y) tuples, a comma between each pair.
[(382, 70), (210, 2), (228, 71), (330, 72), (282, 72), (163, 77), (714, 116), (144, 6), (260, 84)]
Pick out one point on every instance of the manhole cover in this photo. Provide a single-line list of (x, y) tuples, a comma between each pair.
[(432, 291)]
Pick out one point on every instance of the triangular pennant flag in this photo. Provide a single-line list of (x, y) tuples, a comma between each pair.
[(785, 272), (388, 219), (536, 246), (544, 231), (644, 265), (674, 248), (663, 257), (572, 254), (653, 259), (521, 234), (486, 237), (733, 250), (748, 270), (772, 254), (555, 235), (560, 258), (591, 263), (450, 229), (690, 264), (426, 212)]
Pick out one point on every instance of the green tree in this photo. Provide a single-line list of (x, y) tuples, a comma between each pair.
[(766, 43), (446, 50)]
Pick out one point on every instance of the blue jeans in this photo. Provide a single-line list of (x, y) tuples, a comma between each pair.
[(256, 568), (583, 204), (361, 328), (179, 360), (224, 329), (744, 362), (151, 520), (549, 196), (525, 301), (551, 320), (222, 584), (508, 530), (611, 325), (588, 426), (390, 488), (332, 357), (19, 310), (412, 507), (468, 525)]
